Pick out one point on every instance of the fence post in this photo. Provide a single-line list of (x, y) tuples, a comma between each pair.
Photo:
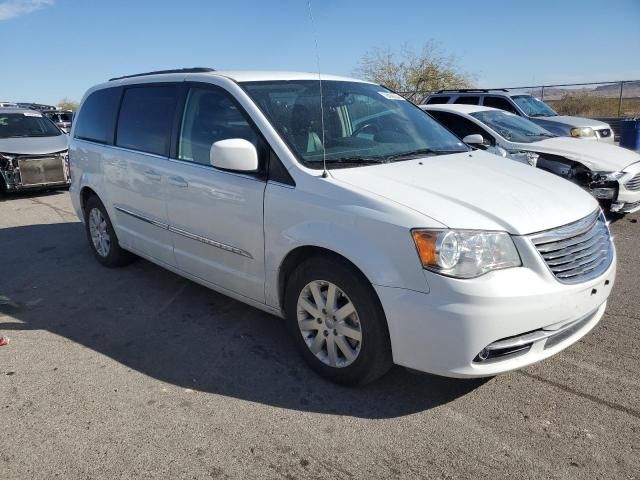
[(542, 93), (620, 100)]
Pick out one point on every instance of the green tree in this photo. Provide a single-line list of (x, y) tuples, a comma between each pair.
[(67, 104), (413, 73)]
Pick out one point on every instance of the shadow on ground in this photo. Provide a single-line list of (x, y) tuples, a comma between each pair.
[(179, 332)]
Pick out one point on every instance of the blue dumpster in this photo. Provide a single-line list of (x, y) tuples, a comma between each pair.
[(630, 134)]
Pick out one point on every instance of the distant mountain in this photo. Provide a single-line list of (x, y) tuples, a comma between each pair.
[(631, 89)]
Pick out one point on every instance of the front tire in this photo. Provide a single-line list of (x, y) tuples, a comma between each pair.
[(337, 321), (102, 237)]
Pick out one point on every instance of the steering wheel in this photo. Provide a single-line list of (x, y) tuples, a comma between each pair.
[(364, 127)]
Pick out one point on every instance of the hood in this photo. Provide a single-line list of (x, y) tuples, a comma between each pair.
[(571, 122), (34, 145), (476, 190), (597, 156)]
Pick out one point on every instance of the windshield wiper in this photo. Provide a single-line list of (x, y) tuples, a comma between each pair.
[(550, 135), (350, 160), (420, 153)]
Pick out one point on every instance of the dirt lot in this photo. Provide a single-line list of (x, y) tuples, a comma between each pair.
[(137, 373)]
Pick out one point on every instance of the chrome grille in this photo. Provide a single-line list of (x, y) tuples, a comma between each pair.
[(576, 252), (634, 183)]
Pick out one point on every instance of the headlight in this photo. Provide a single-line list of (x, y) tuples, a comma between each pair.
[(582, 132), (465, 253), (607, 176)]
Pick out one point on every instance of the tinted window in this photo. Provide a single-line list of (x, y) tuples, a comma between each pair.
[(499, 102), (97, 118), (534, 107), (211, 115), (512, 127), (437, 100), (460, 125), (468, 100), (146, 117), (26, 124)]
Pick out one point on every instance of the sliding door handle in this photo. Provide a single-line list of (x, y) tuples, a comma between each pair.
[(153, 175), (178, 182)]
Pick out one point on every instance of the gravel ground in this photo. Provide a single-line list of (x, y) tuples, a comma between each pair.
[(137, 373)]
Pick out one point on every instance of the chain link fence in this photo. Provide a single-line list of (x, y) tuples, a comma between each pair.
[(620, 99)]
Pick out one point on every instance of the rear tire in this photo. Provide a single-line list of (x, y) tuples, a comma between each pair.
[(102, 237), (337, 321)]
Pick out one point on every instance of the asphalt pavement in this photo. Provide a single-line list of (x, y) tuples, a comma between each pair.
[(138, 373)]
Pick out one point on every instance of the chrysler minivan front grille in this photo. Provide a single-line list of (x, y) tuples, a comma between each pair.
[(634, 183), (577, 252)]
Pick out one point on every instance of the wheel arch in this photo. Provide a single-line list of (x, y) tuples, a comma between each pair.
[(85, 194), (302, 253)]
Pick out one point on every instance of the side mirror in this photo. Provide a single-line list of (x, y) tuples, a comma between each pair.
[(236, 154), (475, 139)]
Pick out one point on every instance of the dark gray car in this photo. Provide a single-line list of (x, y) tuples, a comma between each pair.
[(62, 118), (33, 151)]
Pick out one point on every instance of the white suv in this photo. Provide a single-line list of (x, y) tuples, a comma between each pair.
[(408, 247), (529, 107)]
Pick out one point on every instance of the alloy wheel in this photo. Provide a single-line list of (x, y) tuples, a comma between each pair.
[(329, 324), (99, 234)]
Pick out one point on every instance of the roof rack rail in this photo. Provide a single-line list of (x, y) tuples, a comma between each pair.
[(471, 90), (158, 72)]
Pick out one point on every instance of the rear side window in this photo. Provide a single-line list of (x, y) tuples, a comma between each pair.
[(461, 126), (146, 118), (469, 100), (499, 102), (97, 118), (437, 100)]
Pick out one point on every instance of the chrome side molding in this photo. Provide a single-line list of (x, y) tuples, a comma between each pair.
[(184, 233)]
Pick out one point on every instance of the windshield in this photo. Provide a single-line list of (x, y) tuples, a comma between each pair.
[(534, 107), (26, 124), (59, 117), (364, 123), (512, 127)]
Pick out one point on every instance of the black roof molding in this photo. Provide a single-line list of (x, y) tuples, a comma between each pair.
[(159, 72), (472, 90)]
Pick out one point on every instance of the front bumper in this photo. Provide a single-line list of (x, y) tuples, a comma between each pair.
[(35, 172), (628, 200), (444, 331)]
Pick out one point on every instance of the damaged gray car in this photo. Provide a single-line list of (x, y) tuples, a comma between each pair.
[(33, 152)]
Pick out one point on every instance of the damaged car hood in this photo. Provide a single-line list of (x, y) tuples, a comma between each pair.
[(475, 190), (34, 145), (597, 156)]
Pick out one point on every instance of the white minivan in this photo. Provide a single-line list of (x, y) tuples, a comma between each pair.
[(375, 232)]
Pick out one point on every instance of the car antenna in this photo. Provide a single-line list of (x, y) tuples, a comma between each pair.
[(315, 36)]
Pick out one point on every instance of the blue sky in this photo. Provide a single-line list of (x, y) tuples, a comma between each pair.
[(58, 48)]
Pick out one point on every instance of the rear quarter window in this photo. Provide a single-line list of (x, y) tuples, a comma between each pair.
[(97, 117)]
